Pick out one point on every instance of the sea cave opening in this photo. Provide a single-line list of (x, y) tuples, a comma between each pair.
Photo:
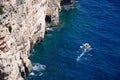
[(48, 18)]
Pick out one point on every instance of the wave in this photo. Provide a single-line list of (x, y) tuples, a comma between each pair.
[(37, 69)]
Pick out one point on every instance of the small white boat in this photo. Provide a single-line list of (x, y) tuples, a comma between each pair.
[(86, 47)]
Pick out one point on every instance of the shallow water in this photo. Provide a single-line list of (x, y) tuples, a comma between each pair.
[(94, 21)]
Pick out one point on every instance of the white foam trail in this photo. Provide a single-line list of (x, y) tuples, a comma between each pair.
[(83, 53), (78, 58)]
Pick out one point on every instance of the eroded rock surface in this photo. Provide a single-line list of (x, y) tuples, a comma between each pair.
[(22, 24)]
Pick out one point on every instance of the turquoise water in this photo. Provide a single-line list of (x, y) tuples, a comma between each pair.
[(94, 21)]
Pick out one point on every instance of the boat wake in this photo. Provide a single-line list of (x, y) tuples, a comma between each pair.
[(78, 58), (85, 49)]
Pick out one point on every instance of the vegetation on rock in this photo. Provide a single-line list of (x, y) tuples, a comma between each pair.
[(1, 9), (10, 29)]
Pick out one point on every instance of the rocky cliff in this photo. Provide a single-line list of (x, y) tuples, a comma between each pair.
[(23, 24)]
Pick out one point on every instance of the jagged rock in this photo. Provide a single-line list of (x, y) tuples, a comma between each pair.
[(22, 24)]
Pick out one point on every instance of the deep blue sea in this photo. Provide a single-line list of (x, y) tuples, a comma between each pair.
[(94, 21)]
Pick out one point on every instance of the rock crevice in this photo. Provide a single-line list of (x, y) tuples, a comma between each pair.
[(22, 25)]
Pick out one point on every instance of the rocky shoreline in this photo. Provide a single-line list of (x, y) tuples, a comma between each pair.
[(22, 24)]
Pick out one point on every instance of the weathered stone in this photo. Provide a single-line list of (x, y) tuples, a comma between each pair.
[(22, 25), (22, 22)]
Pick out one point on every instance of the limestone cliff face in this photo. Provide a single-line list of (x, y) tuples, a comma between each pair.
[(22, 24)]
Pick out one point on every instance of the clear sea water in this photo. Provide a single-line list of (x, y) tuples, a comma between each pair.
[(94, 21)]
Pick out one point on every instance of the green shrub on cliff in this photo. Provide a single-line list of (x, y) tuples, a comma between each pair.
[(1, 9), (10, 29)]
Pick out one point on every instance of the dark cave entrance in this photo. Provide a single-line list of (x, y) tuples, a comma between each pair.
[(48, 18)]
